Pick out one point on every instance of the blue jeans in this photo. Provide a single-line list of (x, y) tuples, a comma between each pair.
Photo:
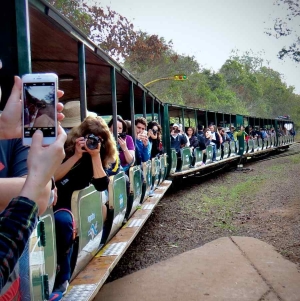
[(64, 245), (214, 152)]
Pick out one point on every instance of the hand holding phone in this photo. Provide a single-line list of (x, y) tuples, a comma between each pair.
[(39, 95)]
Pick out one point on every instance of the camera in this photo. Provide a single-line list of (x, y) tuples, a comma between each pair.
[(122, 135), (154, 132), (92, 141)]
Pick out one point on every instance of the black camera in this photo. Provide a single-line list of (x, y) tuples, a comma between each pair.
[(92, 141), (154, 132), (122, 135)]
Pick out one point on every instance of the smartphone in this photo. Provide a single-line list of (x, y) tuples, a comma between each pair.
[(39, 95)]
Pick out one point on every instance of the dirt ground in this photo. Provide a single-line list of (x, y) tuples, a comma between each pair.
[(262, 201)]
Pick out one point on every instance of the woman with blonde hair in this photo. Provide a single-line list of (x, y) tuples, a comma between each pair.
[(91, 157)]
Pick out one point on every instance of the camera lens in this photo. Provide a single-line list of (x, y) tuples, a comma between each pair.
[(92, 141), (154, 132)]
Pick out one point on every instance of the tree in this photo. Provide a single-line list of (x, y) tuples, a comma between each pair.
[(284, 27), (75, 12), (147, 51), (106, 28)]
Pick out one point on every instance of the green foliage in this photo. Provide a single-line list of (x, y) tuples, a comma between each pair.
[(105, 27), (243, 85)]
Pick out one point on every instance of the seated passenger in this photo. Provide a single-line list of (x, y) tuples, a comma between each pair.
[(241, 132), (225, 137), (29, 195), (91, 156), (231, 133), (181, 131), (215, 141), (193, 140), (292, 131), (178, 140), (264, 134), (125, 144), (206, 141), (200, 131), (142, 143), (154, 135), (190, 132)]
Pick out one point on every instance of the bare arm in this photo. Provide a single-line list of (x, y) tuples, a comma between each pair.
[(65, 167), (11, 187), (98, 170), (128, 154)]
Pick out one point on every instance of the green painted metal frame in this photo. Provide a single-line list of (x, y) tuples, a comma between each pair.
[(23, 37), (82, 79), (132, 109), (144, 105), (114, 100)]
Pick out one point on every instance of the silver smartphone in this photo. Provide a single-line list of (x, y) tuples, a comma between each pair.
[(39, 96)]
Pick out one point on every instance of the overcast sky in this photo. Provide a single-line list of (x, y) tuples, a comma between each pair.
[(210, 29)]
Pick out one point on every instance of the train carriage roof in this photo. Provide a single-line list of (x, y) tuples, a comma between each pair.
[(54, 48)]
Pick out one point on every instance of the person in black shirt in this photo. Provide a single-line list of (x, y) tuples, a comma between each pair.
[(154, 135), (91, 157)]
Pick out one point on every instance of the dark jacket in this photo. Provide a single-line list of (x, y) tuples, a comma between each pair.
[(193, 141), (217, 140)]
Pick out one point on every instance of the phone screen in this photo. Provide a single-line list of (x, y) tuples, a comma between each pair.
[(39, 108)]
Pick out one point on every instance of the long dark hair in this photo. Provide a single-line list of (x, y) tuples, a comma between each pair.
[(151, 124), (120, 119)]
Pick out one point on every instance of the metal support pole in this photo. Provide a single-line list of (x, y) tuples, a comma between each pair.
[(114, 100), (132, 111), (152, 109), (23, 37), (144, 105), (82, 79)]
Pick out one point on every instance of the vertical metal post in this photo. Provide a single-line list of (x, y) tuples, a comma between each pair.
[(132, 111), (230, 120), (206, 119), (189, 121), (82, 79), (166, 135), (216, 121), (114, 99), (223, 123), (159, 114), (144, 105), (152, 109), (15, 53), (23, 37), (196, 121), (182, 117)]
